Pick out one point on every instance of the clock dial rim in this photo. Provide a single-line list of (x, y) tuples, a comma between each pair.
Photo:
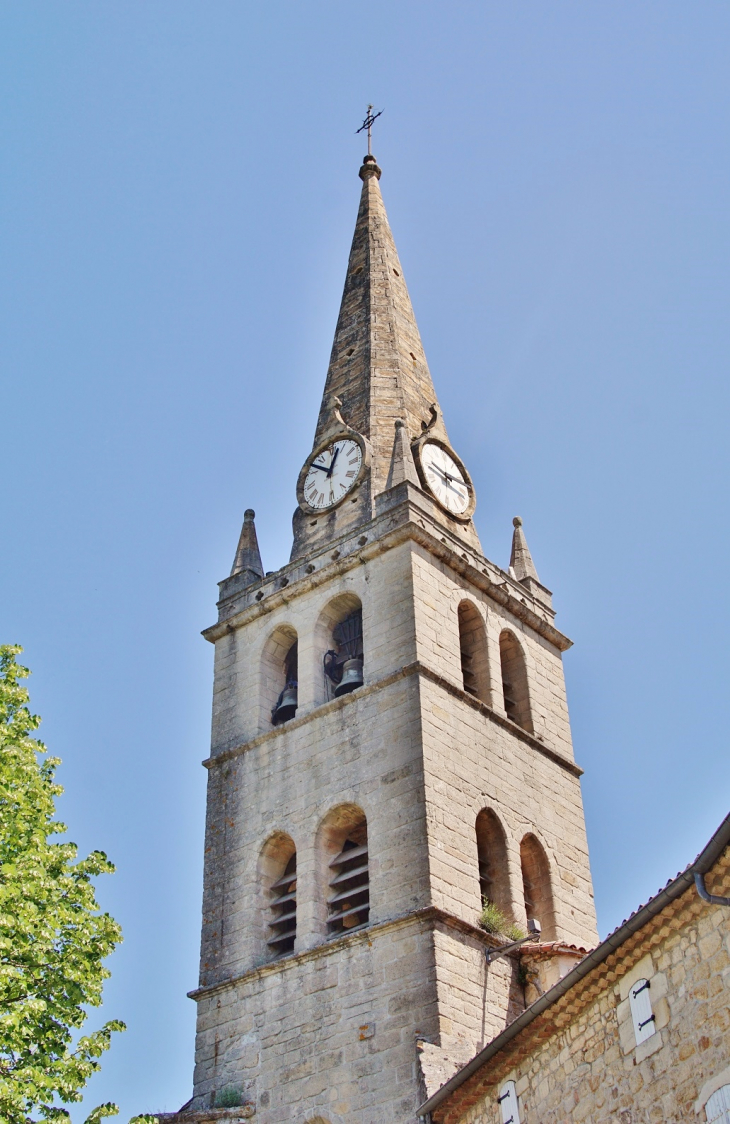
[(466, 513), (307, 471)]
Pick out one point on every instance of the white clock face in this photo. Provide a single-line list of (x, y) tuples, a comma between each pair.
[(332, 473), (444, 478)]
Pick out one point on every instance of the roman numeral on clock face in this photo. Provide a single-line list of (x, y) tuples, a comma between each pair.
[(333, 473)]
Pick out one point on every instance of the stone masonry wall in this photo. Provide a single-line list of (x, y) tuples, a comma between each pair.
[(472, 762), (329, 1034), (420, 758)]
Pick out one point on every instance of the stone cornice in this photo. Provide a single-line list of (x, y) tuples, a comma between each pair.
[(408, 520), (415, 668), (429, 914)]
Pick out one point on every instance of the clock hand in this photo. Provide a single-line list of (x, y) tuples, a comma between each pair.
[(322, 466), (451, 481), (332, 462)]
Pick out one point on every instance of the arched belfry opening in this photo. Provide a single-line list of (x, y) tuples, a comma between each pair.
[(340, 631), (494, 884), (279, 677), (473, 652), (278, 868), (514, 681), (537, 887)]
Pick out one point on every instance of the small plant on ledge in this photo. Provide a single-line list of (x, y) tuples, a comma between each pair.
[(492, 920), (230, 1097)]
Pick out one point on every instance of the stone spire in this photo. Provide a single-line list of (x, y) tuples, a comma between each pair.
[(521, 565), (377, 367), (248, 559)]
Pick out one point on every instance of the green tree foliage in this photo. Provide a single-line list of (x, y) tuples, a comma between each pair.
[(53, 937)]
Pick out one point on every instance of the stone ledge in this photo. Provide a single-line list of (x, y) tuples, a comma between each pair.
[(208, 1115), (402, 524), (415, 668), (429, 914)]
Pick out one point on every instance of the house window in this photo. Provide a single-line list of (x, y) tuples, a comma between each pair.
[(349, 902), (507, 1101), (514, 681), (283, 907), (641, 1012), (717, 1108)]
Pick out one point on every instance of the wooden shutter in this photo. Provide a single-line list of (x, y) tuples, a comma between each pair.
[(507, 1101), (641, 1012), (717, 1108)]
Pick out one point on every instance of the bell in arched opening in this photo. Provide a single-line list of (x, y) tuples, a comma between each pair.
[(286, 704), (345, 666)]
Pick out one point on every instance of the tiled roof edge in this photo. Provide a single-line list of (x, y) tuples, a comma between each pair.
[(702, 864)]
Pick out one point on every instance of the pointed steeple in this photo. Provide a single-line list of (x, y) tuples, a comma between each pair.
[(520, 564), (377, 368), (248, 557), (377, 376)]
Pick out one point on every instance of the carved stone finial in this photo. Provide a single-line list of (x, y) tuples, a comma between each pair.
[(402, 466), (369, 168), (248, 558), (520, 563)]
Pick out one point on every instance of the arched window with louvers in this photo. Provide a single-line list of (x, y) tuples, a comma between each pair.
[(473, 652), (537, 886), (279, 872), (343, 848), (494, 884), (514, 681)]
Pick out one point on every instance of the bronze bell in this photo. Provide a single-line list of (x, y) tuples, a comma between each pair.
[(286, 707), (351, 677)]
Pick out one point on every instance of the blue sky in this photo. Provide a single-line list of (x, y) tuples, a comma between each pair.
[(176, 204)]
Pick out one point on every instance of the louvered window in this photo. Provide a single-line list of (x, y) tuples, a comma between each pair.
[(717, 1108), (473, 652), (507, 1101), (514, 681), (349, 902), (510, 705), (283, 923), (641, 1012)]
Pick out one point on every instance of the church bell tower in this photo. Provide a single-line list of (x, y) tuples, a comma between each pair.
[(390, 749)]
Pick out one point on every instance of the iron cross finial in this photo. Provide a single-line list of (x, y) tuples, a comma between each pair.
[(370, 117)]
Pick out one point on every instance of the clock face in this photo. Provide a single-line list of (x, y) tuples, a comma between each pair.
[(444, 478), (332, 473)]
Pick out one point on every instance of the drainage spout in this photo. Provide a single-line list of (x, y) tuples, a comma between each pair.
[(706, 896)]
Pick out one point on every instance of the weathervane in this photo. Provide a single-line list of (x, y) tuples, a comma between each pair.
[(368, 124)]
